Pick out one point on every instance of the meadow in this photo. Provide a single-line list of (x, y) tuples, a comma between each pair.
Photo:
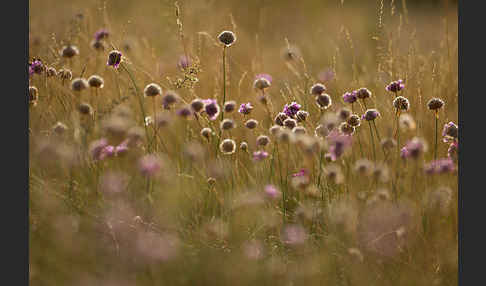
[(243, 142)]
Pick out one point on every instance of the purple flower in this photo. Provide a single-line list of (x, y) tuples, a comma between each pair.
[(414, 148), (404, 154), (101, 34), (245, 108), (291, 109), (184, 62), (36, 67), (440, 166), (96, 147), (395, 86), (122, 148), (370, 114), (265, 76), (114, 59), (301, 173), (350, 97), (211, 108), (337, 144), (107, 152), (450, 132), (259, 155), (149, 165), (272, 192)]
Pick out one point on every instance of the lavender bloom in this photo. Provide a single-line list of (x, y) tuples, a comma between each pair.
[(363, 93), (259, 155), (294, 234), (184, 62), (395, 86), (245, 108), (291, 109), (450, 132), (114, 59), (149, 165), (36, 67), (350, 97), (272, 192), (370, 114), (338, 144), (101, 34), (440, 166), (212, 108)]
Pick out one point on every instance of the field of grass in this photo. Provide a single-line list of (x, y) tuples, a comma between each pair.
[(318, 147)]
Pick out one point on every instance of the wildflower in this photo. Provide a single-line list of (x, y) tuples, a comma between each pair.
[(440, 166), (452, 150), (343, 113), (36, 67), (96, 147), (363, 167), (65, 74), (96, 81), (259, 155), (251, 124), (272, 192), (299, 130), (370, 114), (101, 34), (291, 109), (85, 109), (98, 45), (350, 97), (334, 174), (317, 89), (69, 51), (244, 146), (33, 94), (152, 89), (395, 86), (354, 120), (346, 128), (169, 99), (183, 62), (149, 165), (401, 103), (274, 130), (338, 144), (227, 124), (280, 118), (59, 128), (114, 59), (290, 123), (321, 131), (184, 111), (262, 81), (228, 146), (227, 38), (51, 71), (206, 132), (229, 106), (294, 234), (302, 115), (414, 148), (406, 122), (197, 105), (450, 132), (323, 101), (435, 104), (388, 143), (245, 108), (262, 140), (363, 93), (79, 84)]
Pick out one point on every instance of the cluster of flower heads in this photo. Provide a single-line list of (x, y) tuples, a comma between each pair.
[(440, 166)]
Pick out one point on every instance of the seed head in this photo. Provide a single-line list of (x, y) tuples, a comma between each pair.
[(228, 146), (96, 81), (401, 103), (290, 123), (354, 120), (262, 140), (244, 146), (69, 51), (152, 89), (323, 101), (317, 89), (251, 124), (36, 67), (229, 106), (197, 105), (350, 97), (85, 109), (363, 93), (227, 38), (114, 59), (227, 124), (280, 118), (370, 114), (79, 84), (435, 104)]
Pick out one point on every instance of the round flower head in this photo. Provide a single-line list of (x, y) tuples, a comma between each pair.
[(259, 155), (211, 108), (229, 106), (96, 81), (51, 71), (227, 124), (334, 174), (338, 143), (185, 111), (33, 94), (388, 143), (79, 84), (395, 86), (299, 130), (350, 97), (302, 115), (197, 105), (245, 108), (206, 132), (101, 34), (290, 123), (381, 172), (317, 89), (244, 146), (321, 131), (114, 59), (280, 118), (345, 128), (262, 81), (169, 99), (414, 148), (274, 130), (370, 114), (36, 67), (149, 165), (401, 103), (354, 120), (286, 136), (98, 45), (291, 109), (59, 128), (450, 132), (251, 124), (69, 51), (152, 89), (227, 38), (343, 113), (228, 146), (406, 122), (363, 93), (435, 104), (85, 109), (363, 167), (65, 74), (262, 140), (323, 101)]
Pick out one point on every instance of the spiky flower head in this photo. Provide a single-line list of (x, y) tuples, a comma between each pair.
[(251, 123), (36, 67), (114, 59), (245, 108), (96, 81), (435, 104), (354, 120), (350, 97), (152, 89), (370, 114), (228, 146), (69, 51), (363, 93), (291, 109), (211, 108), (227, 38), (229, 106), (197, 105), (280, 118), (79, 84), (323, 101), (51, 71), (401, 103), (450, 132), (395, 86), (317, 89)]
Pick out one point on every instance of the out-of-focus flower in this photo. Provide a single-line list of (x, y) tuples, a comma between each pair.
[(149, 165), (350, 97), (245, 108), (440, 166), (228, 146), (450, 132), (101, 34), (262, 81), (317, 89), (259, 155), (338, 144), (271, 192), (370, 114), (395, 86)]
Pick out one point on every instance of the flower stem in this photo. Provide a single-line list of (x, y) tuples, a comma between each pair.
[(372, 142), (436, 122)]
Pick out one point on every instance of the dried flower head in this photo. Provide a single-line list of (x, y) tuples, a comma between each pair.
[(114, 59), (244, 146), (317, 89), (228, 146), (350, 97), (354, 120), (262, 140), (197, 105), (245, 108), (302, 115), (206, 132), (370, 114), (96, 81), (69, 51), (395, 86), (170, 98), (79, 84), (363, 93), (401, 103), (450, 132), (227, 38), (85, 109), (152, 89), (227, 124), (251, 124), (346, 128), (343, 113), (290, 123), (65, 74), (323, 101), (36, 67), (435, 104), (280, 118), (229, 106)]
